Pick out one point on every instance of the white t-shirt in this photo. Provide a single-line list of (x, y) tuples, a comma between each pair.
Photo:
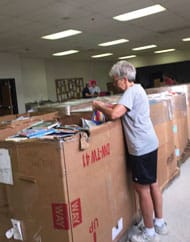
[(95, 89), (138, 128)]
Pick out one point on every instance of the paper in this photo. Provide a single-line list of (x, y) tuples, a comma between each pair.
[(6, 175), (116, 230), (15, 232)]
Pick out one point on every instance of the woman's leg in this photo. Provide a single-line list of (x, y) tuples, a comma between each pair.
[(156, 199), (146, 203)]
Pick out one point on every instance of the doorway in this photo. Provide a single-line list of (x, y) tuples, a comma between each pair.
[(8, 97)]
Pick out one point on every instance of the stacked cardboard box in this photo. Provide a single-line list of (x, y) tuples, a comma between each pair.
[(180, 108), (180, 128), (61, 190), (161, 116), (183, 89)]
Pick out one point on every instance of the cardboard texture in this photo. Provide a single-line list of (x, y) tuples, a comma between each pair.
[(7, 118), (61, 193), (180, 128), (183, 89), (163, 123), (178, 103)]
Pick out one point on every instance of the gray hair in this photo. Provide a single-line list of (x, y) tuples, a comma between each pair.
[(123, 69)]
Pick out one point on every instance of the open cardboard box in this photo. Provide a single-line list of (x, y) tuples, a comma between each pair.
[(56, 191)]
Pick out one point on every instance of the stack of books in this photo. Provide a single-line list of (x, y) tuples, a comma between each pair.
[(46, 129)]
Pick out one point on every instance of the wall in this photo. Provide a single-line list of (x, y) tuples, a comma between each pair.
[(10, 68), (56, 69), (179, 71), (156, 59), (34, 80), (175, 63)]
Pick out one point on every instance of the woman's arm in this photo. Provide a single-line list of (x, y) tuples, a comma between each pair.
[(112, 112)]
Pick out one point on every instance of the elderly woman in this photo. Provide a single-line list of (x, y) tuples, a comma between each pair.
[(142, 146)]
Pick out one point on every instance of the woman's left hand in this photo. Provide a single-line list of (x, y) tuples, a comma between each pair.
[(97, 104)]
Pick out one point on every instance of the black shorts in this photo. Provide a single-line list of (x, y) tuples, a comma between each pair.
[(144, 167)]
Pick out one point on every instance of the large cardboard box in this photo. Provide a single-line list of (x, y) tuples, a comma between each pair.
[(180, 123), (58, 192), (162, 118), (178, 103), (183, 89)]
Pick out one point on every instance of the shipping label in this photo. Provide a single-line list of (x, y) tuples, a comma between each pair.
[(117, 230), (16, 231)]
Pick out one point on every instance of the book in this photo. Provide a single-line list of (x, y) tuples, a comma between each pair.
[(35, 133)]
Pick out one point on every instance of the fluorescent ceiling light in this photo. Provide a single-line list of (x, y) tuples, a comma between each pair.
[(62, 34), (126, 57), (186, 39), (163, 51), (67, 52), (114, 42), (101, 55), (140, 13), (144, 47)]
